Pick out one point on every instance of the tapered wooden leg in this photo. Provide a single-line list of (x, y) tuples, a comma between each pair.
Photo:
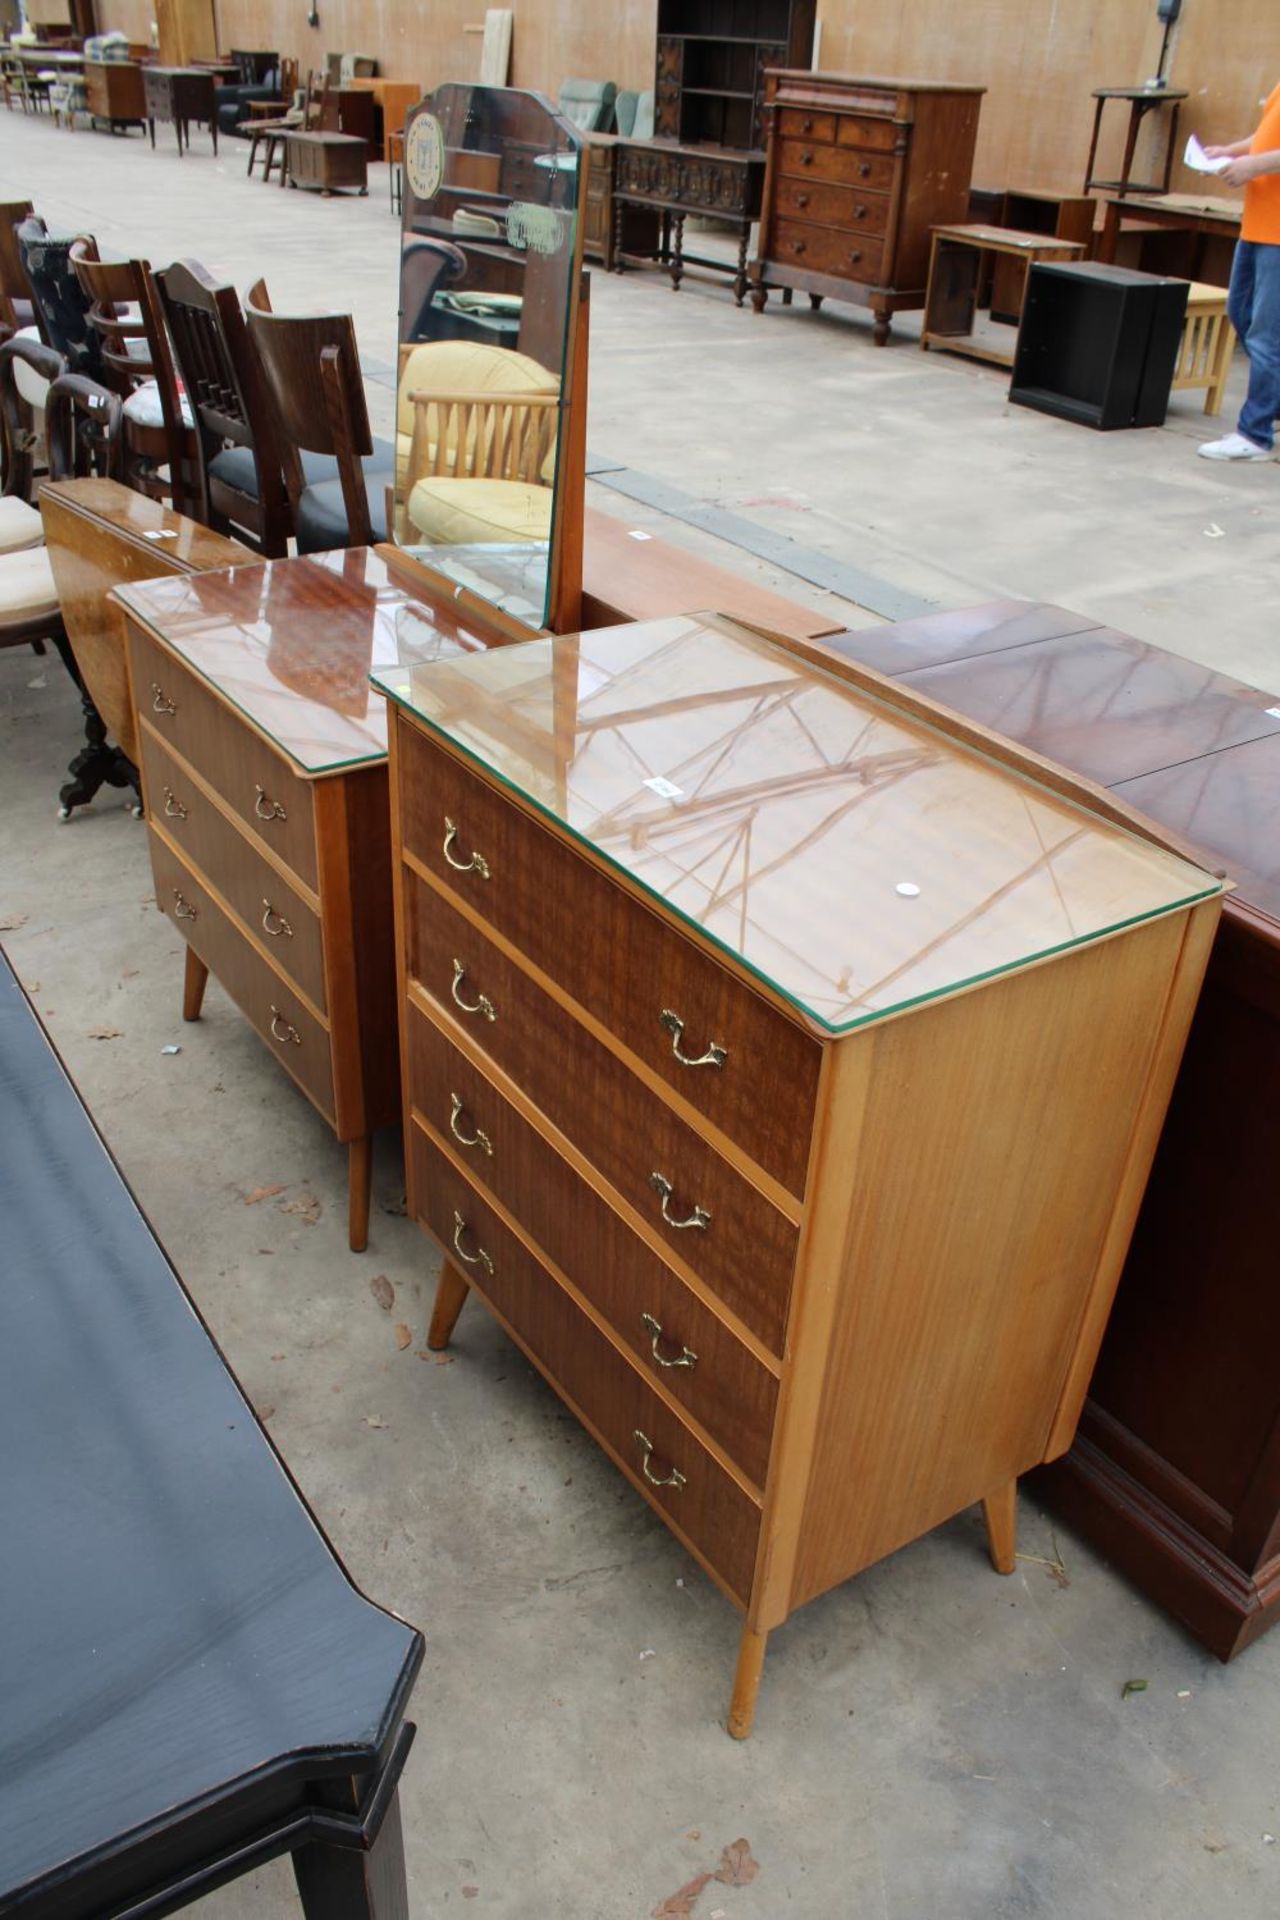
[(359, 1184), (340, 1883), (194, 982), (451, 1291), (1000, 1511), (746, 1682)]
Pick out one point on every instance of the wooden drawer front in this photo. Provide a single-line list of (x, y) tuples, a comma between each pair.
[(827, 251), (802, 160), (618, 959), (272, 1007), (256, 782), (725, 1388), (797, 123), (747, 1252), (867, 131), (710, 1508), (265, 902), (832, 206)]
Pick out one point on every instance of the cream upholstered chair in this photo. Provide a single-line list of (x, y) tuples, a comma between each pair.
[(475, 443)]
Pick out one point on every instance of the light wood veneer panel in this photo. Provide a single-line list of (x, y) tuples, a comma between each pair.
[(254, 985), (247, 881), (222, 746), (710, 1511), (729, 1391), (955, 1321), (617, 959), (747, 1252)]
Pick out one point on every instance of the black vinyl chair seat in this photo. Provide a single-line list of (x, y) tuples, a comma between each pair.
[(321, 518), (190, 1681)]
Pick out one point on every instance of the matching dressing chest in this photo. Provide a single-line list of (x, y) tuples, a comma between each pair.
[(262, 749), (783, 1061)]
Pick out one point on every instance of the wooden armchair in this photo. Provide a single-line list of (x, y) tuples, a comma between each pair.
[(311, 368), (481, 467), (136, 362)]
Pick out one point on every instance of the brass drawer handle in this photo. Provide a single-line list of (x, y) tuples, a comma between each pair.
[(686, 1358), (281, 924), (798, 246), (806, 126), (481, 1004), (282, 1031), (477, 1139), (173, 807), (855, 256), (476, 864), (698, 1218), (673, 1479), (182, 907), (860, 213), (806, 157), (266, 808), (802, 199), (477, 1259), (160, 701), (715, 1055), (864, 170)]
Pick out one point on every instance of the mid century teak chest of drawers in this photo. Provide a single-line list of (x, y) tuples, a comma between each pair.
[(783, 1073), (264, 774), (858, 172)]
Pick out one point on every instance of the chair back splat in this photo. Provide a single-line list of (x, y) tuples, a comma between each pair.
[(311, 367), (246, 476)]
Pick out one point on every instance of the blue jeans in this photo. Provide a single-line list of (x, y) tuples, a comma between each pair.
[(1253, 305)]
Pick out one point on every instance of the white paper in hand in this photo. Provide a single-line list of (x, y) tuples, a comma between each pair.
[(1198, 160)]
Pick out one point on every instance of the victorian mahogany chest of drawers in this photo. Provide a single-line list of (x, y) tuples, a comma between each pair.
[(754, 1031), (858, 173), (264, 774)]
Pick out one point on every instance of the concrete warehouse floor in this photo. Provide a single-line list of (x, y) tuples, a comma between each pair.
[(931, 1738)]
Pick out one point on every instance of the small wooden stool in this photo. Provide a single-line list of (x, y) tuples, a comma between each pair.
[(1208, 341)]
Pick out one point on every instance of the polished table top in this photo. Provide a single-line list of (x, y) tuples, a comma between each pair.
[(1194, 750), (173, 1624), (857, 859), (291, 644)]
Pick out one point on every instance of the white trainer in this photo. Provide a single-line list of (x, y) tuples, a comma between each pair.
[(1233, 446)]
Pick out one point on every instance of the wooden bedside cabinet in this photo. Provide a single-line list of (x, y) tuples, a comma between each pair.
[(755, 1018), (263, 758)]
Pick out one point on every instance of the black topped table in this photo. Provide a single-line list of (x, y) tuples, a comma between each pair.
[(189, 1682)]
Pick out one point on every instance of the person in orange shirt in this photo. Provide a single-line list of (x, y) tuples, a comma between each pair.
[(1254, 300)]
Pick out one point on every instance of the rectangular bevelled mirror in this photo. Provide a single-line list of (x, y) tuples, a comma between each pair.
[(490, 266)]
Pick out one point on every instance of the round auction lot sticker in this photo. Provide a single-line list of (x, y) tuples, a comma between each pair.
[(424, 156)]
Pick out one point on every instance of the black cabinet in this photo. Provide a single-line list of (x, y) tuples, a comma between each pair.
[(1098, 344)]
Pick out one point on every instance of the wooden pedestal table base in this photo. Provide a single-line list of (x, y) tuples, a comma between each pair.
[(999, 1511)]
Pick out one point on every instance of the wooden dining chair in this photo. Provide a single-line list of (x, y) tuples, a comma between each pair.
[(16, 309), (245, 476), (136, 362), (311, 367), (25, 374)]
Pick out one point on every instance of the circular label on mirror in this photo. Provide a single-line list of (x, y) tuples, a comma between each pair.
[(424, 156)]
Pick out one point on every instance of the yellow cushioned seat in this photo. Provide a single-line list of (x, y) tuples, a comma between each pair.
[(460, 513), (20, 525), (26, 587), (462, 367)]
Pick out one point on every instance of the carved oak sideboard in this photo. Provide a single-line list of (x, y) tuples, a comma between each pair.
[(676, 181)]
